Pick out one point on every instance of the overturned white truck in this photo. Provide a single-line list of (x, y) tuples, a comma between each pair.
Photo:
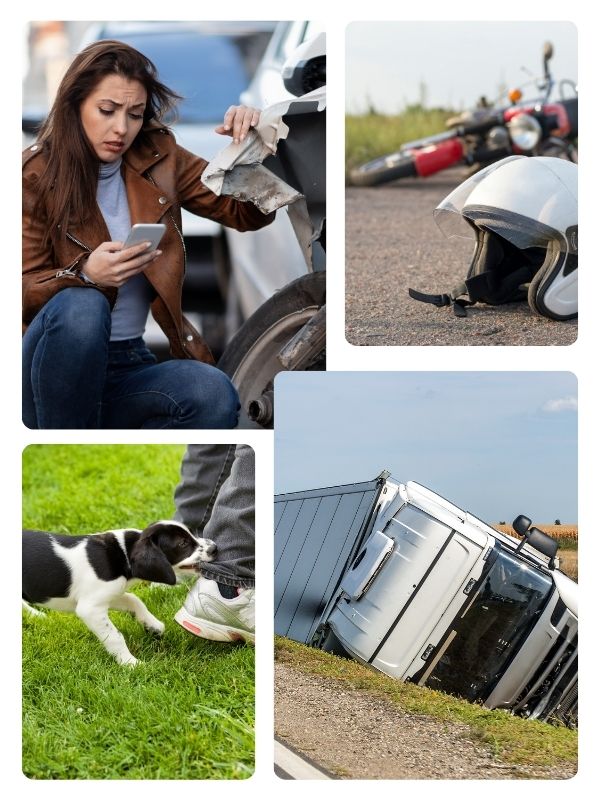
[(399, 578)]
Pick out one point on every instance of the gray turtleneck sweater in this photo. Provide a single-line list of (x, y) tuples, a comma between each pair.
[(131, 309)]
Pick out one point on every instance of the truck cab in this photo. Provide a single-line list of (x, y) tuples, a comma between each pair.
[(438, 597)]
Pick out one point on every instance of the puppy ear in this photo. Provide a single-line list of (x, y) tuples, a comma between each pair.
[(148, 561)]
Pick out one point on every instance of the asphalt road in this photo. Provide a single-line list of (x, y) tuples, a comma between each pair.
[(292, 765), (392, 243)]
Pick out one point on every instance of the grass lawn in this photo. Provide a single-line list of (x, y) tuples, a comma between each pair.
[(187, 711)]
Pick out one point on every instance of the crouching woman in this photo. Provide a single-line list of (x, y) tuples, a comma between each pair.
[(104, 161)]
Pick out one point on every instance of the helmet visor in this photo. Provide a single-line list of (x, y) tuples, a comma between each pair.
[(448, 214)]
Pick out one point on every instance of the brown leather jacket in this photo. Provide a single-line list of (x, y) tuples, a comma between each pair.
[(159, 180)]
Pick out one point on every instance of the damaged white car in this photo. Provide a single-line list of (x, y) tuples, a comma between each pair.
[(281, 166)]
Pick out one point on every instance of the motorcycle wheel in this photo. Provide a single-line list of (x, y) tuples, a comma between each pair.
[(250, 358), (384, 169), (564, 150)]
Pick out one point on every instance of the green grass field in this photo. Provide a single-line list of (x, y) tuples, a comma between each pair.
[(187, 711), (372, 135)]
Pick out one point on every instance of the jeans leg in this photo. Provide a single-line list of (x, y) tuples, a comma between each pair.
[(203, 470), (65, 352), (180, 393), (216, 498)]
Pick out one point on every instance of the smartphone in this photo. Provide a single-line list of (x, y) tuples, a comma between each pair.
[(143, 232)]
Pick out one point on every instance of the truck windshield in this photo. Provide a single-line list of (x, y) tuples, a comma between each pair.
[(488, 635)]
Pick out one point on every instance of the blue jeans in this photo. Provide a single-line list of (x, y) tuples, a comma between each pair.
[(74, 377), (215, 499)]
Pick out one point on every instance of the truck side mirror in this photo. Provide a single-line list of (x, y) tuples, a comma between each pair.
[(521, 524), (543, 544)]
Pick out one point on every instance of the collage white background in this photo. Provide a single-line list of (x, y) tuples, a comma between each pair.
[(581, 358)]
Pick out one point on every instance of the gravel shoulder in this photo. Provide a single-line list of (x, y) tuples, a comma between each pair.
[(393, 243), (354, 735)]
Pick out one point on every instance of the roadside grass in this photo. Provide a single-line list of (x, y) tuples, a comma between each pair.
[(371, 135), (187, 711), (513, 740)]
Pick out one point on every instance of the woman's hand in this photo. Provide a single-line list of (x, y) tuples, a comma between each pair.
[(237, 122), (109, 265)]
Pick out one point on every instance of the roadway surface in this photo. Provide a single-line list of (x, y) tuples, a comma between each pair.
[(290, 764), (332, 730), (393, 243)]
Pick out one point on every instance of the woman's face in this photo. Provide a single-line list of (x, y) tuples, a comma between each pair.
[(112, 115)]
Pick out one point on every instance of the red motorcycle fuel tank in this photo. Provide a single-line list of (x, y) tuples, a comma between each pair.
[(436, 157)]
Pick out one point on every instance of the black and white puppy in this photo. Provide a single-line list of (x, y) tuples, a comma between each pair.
[(90, 574)]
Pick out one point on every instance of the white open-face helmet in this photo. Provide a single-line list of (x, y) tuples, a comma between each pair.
[(523, 212)]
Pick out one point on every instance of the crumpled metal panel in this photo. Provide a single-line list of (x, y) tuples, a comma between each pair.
[(238, 171)]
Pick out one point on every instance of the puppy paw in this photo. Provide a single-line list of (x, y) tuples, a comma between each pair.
[(207, 549), (156, 627), (128, 660)]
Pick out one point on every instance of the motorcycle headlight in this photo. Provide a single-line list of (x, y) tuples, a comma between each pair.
[(525, 131)]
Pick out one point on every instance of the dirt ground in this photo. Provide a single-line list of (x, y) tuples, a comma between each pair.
[(393, 243), (354, 735)]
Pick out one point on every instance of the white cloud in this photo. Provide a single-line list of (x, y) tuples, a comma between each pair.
[(560, 404)]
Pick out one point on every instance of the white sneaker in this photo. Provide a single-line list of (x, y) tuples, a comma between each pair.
[(207, 614)]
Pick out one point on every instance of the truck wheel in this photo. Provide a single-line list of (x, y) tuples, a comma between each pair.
[(384, 169), (331, 644), (250, 358)]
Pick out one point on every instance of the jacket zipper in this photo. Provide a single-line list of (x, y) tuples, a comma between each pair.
[(181, 335), (182, 241), (179, 233), (69, 270)]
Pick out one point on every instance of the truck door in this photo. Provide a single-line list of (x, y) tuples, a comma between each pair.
[(394, 595)]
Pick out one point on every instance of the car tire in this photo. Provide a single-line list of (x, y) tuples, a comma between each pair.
[(250, 358)]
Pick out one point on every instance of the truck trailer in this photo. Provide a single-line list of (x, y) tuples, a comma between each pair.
[(400, 579)]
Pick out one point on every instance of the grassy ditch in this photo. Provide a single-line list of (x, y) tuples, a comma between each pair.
[(371, 135), (187, 710), (513, 740)]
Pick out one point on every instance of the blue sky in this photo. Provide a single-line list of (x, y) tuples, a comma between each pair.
[(457, 61), (496, 443)]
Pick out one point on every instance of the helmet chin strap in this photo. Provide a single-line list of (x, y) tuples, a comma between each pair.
[(439, 300), (489, 288), (497, 275)]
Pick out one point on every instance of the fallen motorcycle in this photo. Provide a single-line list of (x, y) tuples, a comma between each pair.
[(484, 135)]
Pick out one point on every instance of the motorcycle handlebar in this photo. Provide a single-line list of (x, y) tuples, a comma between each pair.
[(456, 132), (483, 126)]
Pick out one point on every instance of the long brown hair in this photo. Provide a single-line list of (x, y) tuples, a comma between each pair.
[(67, 187)]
